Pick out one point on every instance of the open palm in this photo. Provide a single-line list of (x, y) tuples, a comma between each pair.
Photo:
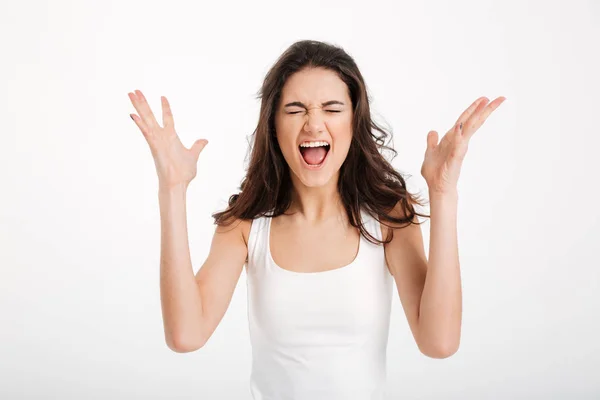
[(175, 164), (443, 161)]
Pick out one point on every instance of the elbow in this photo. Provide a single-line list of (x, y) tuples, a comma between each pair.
[(184, 344), (439, 345), (440, 351)]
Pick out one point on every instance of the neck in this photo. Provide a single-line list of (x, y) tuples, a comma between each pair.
[(316, 204)]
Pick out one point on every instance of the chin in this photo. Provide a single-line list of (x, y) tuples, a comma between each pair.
[(315, 182), (314, 178)]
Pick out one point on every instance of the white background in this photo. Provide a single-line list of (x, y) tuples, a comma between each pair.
[(79, 216)]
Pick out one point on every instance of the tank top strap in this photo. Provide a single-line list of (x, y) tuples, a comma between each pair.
[(257, 242)]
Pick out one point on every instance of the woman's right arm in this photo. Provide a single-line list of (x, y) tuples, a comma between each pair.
[(193, 306)]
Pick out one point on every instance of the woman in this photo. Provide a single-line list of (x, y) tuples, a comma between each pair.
[(324, 225)]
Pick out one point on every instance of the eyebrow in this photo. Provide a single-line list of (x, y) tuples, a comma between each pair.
[(299, 104)]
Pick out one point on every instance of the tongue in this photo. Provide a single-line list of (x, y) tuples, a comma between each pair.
[(313, 155)]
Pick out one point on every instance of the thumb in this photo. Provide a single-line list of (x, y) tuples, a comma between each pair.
[(198, 146), (432, 139)]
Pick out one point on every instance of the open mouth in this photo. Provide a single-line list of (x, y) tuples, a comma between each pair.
[(314, 157)]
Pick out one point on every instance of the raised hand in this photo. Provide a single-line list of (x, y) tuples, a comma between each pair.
[(175, 164), (443, 161)]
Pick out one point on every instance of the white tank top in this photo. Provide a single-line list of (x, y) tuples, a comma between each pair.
[(318, 335)]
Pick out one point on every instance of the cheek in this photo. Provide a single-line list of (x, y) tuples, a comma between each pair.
[(287, 143), (341, 133), (282, 133), (287, 134)]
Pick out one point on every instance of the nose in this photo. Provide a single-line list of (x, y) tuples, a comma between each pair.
[(314, 122)]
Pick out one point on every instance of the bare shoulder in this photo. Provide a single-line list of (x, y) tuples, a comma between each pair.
[(236, 226), (406, 247), (397, 212), (228, 249)]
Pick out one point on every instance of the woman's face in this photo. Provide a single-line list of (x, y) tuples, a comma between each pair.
[(314, 110)]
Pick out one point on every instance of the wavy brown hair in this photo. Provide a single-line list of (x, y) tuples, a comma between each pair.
[(366, 178)]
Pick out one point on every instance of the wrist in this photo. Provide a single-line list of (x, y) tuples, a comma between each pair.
[(172, 190), (447, 195)]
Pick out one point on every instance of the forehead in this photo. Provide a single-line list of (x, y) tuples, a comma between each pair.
[(314, 85)]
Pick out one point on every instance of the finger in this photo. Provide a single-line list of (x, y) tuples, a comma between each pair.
[(140, 124), (167, 114), (143, 108), (484, 114), (469, 111), (490, 108), (432, 140), (467, 129), (198, 146)]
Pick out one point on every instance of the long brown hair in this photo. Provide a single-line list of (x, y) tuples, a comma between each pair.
[(366, 178)]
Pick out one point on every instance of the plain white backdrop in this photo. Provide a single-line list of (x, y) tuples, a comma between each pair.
[(79, 217)]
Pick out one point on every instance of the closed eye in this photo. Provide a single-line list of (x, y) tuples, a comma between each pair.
[(331, 111)]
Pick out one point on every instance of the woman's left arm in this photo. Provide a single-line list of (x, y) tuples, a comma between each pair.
[(430, 290)]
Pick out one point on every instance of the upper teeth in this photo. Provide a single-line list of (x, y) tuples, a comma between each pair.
[(314, 144)]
